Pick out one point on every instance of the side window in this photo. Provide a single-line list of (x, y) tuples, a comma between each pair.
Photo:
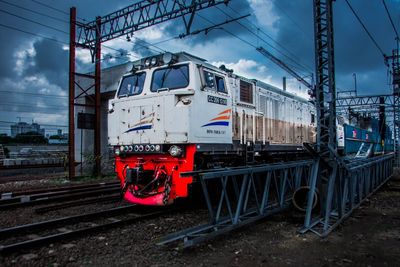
[(209, 77), (220, 84), (246, 92), (215, 82)]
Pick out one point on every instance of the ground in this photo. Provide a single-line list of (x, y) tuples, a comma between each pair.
[(370, 237)]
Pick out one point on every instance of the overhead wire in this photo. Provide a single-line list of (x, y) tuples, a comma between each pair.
[(391, 20), (237, 37), (33, 94), (231, 33), (34, 11), (365, 29), (301, 65), (33, 34), (277, 4), (32, 21), (50, 7)]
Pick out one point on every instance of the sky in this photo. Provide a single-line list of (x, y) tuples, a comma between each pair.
[(34, 48)]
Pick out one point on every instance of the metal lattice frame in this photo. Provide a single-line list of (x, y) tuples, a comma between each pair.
[(91, 35), (325, 87), (355, 183), (237, 197), (396, 94), (364, 101), (140, 16), (326, 175), (396, 131)]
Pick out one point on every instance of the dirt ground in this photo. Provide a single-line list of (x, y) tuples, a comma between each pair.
[(370, 237)]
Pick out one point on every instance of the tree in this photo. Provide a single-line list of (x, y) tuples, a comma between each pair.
[(5, 139), (30, 138)]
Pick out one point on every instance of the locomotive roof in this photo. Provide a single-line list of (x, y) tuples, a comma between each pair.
[(184, 56)]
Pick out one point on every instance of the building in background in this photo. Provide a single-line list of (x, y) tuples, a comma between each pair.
[(23, 127)]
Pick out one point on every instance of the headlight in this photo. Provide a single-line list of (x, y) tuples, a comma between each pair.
[(154, 61), (167, 58), (175, 151), (152, 148), (130, 148), (136, 148), (141, 148), (117, 151), (147, 148), (121, 148), (126, 149), (158, 148)]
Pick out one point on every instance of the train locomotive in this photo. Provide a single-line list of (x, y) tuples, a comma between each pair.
[(176, 113)]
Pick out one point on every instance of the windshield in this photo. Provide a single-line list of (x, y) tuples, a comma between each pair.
[(132, 85), (173, 77)]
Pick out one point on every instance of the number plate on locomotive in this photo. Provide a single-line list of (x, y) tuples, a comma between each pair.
[(217, 100)]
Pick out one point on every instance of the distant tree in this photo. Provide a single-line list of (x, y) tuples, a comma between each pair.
[(6, 152), (55, 137), (5, 139), (30, 138)]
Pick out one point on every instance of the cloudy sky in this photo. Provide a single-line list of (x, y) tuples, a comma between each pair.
[(34, 47)]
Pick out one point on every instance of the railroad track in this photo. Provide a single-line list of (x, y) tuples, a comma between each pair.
[(95, 200), (46, 232), (33, 197)]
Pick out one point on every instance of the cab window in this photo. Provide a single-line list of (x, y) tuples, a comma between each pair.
[(173, 77), (215, 82), (132, 85)]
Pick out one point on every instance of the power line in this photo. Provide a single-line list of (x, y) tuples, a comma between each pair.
[(234, 35), (32, 21), (391, 21), (48, 6), (20, 104), (306, 68), (31, 33), (34, 11), (366, 30), (49, 38), (292, 20), (33, 94)]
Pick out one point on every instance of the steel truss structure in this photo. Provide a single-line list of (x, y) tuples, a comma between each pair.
[(355, 182), (237, 197), (395, 58), (91, 35), (365, 101), (373, 105)]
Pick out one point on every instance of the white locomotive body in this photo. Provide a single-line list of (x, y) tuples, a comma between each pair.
[(177, 113)]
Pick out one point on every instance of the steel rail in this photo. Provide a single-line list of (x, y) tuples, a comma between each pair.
[(56, 189), (77, 233), (77, 203), (70, 196), (64, 220), (28, 198)]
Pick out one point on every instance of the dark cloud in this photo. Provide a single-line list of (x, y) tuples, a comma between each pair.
[(50, 60), (354, 51)]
